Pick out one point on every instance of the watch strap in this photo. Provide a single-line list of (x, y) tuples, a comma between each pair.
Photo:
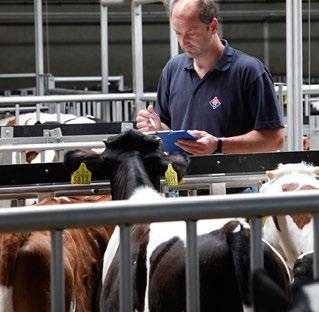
[(219, 146)]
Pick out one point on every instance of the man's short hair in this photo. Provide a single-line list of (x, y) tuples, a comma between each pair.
[(207, 10)]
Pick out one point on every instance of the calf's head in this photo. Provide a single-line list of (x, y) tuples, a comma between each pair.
[(130, 159), (291, 177)]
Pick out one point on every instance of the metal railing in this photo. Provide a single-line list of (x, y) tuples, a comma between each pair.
[(78, 103), (126, 213)]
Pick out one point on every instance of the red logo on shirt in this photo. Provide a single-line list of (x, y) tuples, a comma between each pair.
[(215, 103)]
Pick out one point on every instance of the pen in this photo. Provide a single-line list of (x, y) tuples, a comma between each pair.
[(152, 122)]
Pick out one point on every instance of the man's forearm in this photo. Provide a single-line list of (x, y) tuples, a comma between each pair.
[(255, 141)]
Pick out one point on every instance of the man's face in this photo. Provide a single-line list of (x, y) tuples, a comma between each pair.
[(194, 37)]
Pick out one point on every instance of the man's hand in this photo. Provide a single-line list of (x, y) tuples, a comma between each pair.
[(148, 120), (205, 144)]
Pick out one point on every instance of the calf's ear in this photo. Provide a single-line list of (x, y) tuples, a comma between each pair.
[(73, 159), (267, 295), (179, 161)]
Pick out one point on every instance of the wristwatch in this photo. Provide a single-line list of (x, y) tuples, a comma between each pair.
[(219, 146)]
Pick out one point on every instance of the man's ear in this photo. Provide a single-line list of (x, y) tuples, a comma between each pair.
[(213, 26)]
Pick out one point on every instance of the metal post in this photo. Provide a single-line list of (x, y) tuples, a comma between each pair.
[(294, 73), (266, 44), (172, 35), (57, 272), (38, 34), (316, 246), (126, 296), (137, 53), (281, 97), (105, 60), (256, 249), (192, 268)]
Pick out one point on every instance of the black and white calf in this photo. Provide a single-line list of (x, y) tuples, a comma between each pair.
[(133, 162), (303, 269), (268, 297)]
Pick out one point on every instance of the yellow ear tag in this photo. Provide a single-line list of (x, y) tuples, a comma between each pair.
[(81, 176), (171, 176)]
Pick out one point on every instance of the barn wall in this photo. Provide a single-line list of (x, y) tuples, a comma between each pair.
[(74, 39)]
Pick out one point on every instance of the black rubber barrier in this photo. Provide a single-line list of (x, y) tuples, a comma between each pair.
[(205, 165)]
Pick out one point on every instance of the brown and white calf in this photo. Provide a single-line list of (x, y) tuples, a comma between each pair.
[(25, 265), (133, 162), (291, 235)]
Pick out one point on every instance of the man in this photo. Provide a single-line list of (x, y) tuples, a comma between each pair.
[(224, 97)]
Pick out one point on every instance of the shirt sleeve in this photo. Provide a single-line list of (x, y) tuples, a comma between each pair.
[(264, 103)]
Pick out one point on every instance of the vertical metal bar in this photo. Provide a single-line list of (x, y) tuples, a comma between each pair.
[(39, 63), (172, 35), (266, 44), (121, 83), (126, 285), (58, 112), (294, 74), (307, 105), (17, 114), (61, 154), (57, 272), (217, 188), (17, 157), (256, 247), (137, 53), (192, 268), (316, 246), (281, 97), (23, 157), (42, 156), (104, 60)]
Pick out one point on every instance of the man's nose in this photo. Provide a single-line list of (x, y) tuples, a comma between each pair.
[(183, 40)]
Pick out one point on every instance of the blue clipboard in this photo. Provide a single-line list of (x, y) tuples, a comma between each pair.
[(170, 137)]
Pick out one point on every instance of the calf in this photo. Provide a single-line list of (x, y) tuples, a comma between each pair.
[(292, 234), (268, 297), (31, 119), (303, 269), (25, 266), (133, 162), (34, 156)]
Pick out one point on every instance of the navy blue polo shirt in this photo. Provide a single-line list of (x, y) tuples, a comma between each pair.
[(233, 98)]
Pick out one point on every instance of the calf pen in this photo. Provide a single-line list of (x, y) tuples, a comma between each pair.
[(56, 218)]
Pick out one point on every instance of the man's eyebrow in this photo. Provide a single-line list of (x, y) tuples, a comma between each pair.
[(187, 31)]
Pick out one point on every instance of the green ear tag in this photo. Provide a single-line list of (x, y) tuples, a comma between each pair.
[(171, 176), (81, 176)]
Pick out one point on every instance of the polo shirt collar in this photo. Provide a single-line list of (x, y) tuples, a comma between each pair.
[(224, 61), (226, 58)]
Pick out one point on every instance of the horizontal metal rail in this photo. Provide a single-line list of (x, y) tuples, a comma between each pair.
[(148, 96), (65, 189), (84, 78), (171, 209), (306, 89), (51, 146), (66, 98), (18, 75)]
